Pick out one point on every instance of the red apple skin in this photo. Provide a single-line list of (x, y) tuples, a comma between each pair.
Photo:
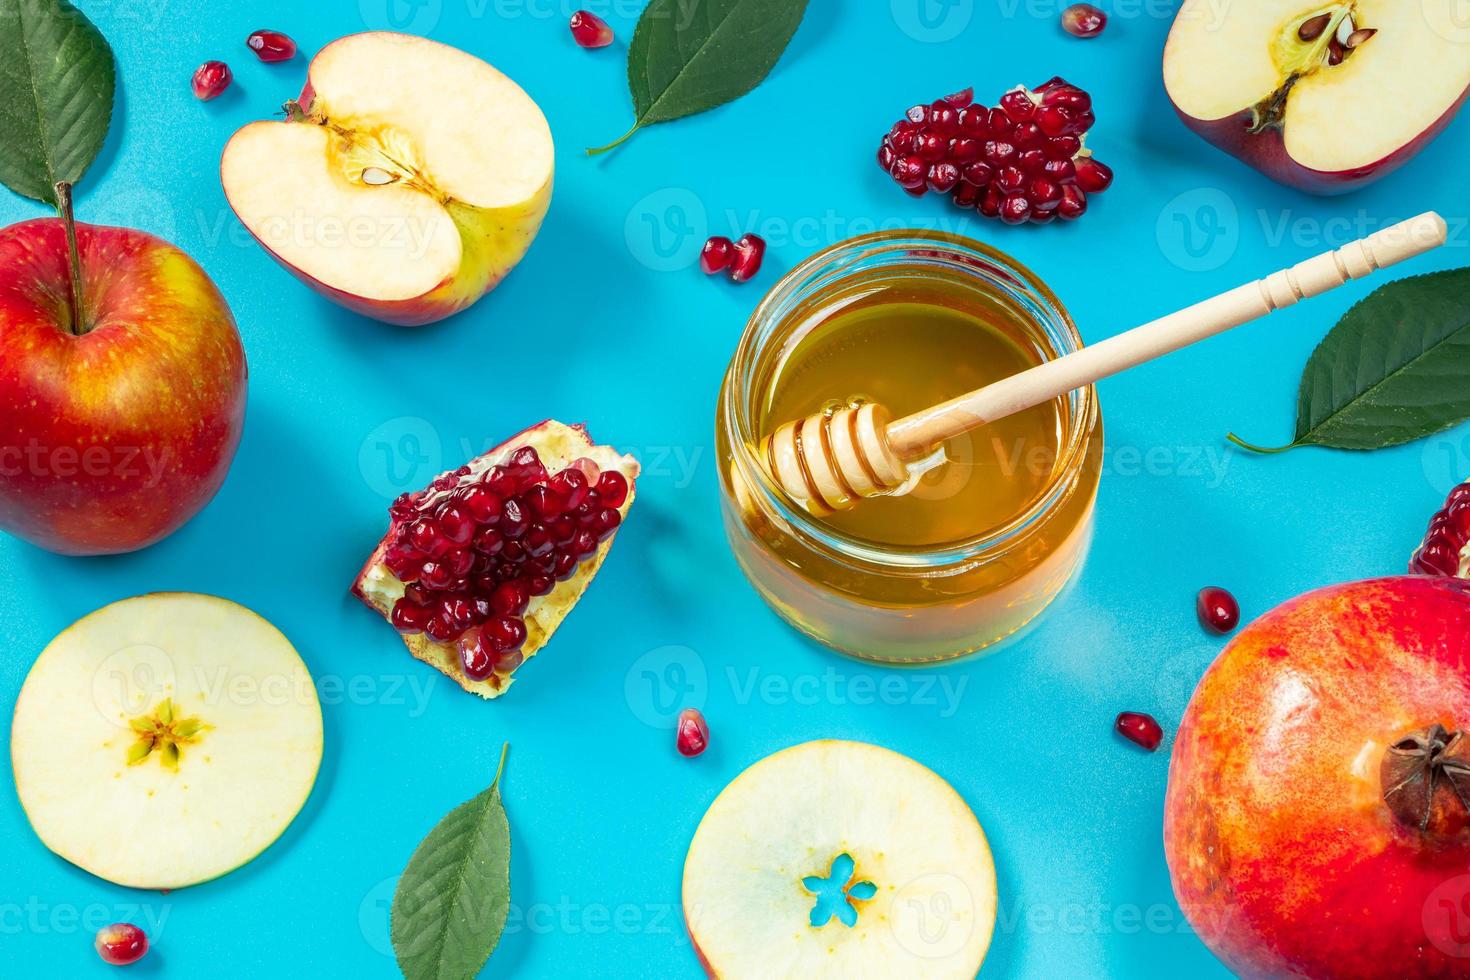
[(1266, 151), (1283, 855), (110, 441)]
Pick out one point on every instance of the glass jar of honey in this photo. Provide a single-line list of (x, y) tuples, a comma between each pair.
[(996, 525)]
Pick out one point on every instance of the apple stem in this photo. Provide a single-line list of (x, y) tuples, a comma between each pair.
[(74, 259)]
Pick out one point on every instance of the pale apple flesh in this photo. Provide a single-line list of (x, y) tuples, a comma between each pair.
[(748, 898), (165, 740), (407, 180), (1310, 112), (115, 431), (558, 445)]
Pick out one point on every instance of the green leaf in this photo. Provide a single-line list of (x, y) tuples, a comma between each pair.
[(1395, 369), (688, 56), (56, 89), (453, 899)]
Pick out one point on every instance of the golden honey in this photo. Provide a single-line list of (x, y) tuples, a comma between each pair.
[(991, 533)]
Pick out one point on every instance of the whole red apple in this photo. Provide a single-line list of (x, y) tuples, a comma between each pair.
[(117, 429), (1316, 823)]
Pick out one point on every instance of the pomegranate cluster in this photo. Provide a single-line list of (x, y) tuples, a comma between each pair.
[(473, 551), (1444, 548), (1023, 160)]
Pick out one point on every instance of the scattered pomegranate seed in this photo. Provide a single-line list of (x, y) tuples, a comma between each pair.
[(1140, 729), (472, 551), (693, 734), (716, 255), (1446, 547), (1218, 610), (590, 30), (121, 943), (1083, 20), (271, 46), (1022, 160), (211, 79), (750, 251)]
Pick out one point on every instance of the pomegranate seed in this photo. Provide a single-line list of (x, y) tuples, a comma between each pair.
[(540, 584), (570, 488), (408, 617), (1074, 203), (1015, 209), (497, 480), (211, 79), (476, 656), (1217, 609), (750, 251), (509, 599), (716, 255), (509, 661), (440, 630), (1140, 729), (121, 943), (612, 488), (1083, 20), (271, 46), (1092, 175), (513, 519), (482, 504), (1017, 105), (961, 99), (590, 30), (504, 633), (456, 525), (693, 733), (1445, 550), (436, 575)]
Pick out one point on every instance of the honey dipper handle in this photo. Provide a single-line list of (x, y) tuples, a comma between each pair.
[(918, 434)]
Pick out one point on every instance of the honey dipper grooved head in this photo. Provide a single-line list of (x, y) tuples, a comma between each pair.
[(829, 462)]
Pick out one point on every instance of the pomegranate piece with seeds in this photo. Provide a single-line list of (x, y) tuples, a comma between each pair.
[(590, 30), (479, 568), (121, 943), (1023, 160), (692, 737), (1217, 609), (1083, 20), (1446, 547), (1140, 729), (271, 46), (211, 79)]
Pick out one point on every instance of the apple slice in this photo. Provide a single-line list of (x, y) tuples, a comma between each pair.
[(1323, 97), (406, 181), (165, 740), (479, 569), (914, 880)]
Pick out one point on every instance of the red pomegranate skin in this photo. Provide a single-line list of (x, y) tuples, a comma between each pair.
[(1283, 854)]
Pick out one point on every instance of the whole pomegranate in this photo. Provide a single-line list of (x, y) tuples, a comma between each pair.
[(1317, 823)]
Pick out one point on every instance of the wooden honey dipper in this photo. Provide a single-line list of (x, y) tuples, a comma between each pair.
[(830, 461)]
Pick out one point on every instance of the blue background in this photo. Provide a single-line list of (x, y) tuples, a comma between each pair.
[(608, 321)]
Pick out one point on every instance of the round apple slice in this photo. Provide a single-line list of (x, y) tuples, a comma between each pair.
[(839, 859), (165, 740)]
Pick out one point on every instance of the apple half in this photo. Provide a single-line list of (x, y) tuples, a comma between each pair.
[(1324, 97), (165, 740), (404, 183), (908, 858)]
